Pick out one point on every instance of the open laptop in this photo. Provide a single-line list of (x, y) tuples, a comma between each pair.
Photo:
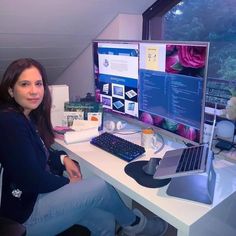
[(185, 161)]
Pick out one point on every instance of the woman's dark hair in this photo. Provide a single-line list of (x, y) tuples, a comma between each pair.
[(41, 115)]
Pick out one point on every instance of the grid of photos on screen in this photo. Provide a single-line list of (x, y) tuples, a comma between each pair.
[(117, 79)]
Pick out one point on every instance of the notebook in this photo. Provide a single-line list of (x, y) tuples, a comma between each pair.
[(185, 161)]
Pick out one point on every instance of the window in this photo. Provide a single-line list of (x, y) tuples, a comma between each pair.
[(213, 21)]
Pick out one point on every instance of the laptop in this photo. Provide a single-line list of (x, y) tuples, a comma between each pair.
[(182, 162), (185, 161)]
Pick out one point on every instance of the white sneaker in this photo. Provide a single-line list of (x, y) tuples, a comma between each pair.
[(154, 226)]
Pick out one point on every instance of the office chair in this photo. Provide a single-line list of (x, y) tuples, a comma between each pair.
[(11, 228)]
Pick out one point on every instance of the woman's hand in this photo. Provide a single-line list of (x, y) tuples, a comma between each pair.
[(73, 170)]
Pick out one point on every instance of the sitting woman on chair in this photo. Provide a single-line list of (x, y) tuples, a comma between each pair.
[(33, 193)]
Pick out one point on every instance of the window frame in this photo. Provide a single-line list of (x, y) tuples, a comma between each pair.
[(154, 15)]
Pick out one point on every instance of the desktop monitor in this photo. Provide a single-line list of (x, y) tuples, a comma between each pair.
[(158, 83)]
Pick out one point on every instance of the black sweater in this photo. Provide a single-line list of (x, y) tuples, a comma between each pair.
[(24, 160)]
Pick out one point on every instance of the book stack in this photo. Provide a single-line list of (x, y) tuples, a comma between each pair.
[(82, 130), (60, 131), (82, 121), (90, 111)]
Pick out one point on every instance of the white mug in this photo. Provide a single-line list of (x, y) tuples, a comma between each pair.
[(148, 138)]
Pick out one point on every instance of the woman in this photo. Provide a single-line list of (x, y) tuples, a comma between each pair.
[(32, 192)]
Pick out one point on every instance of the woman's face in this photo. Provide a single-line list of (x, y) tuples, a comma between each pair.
[(28, 91)]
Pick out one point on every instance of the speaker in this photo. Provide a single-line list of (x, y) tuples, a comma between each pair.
[(111, 125)]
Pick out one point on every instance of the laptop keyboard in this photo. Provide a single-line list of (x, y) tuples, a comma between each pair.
[(190, 159), (117, 146)]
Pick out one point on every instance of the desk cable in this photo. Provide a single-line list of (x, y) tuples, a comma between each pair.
[(139, 131), (162, 143), (128, 133)]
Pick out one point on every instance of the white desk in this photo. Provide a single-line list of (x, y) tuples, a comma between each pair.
[(190, 218)]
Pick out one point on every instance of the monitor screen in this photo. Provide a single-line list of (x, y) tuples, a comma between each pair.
[(159, 83)]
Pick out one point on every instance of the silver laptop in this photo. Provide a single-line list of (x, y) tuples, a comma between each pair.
[(185, 161), (182, 162)]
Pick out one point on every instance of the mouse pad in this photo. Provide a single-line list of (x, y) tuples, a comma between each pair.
[(135, 171)]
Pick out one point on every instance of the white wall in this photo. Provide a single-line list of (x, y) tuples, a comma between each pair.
[(79, 76)]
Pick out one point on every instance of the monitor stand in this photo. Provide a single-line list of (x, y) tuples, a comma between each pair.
[(197, 187)]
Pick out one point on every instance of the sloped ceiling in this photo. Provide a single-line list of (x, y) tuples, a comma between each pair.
[(55, 32)]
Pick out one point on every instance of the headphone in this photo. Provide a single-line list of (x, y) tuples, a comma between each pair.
[(114, 125)]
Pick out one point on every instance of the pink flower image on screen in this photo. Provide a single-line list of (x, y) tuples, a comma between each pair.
[(158, 120), (187, 132), (193, 57), (147, 118), (181, 130), (180, 57), (172, 59), (171, 62), (191, 133)]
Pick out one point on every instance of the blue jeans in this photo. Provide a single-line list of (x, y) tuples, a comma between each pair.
[(91, 202)]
